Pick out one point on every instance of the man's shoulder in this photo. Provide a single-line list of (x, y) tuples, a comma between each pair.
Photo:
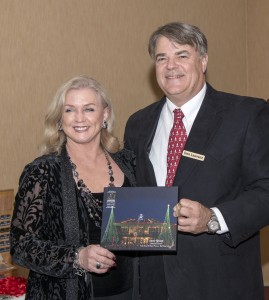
[(229, 99), (153, 108)]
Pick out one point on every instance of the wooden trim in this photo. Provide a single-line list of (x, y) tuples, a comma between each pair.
[(266, 293)]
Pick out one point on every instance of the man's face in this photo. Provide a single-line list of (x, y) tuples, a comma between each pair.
[(180, 70)]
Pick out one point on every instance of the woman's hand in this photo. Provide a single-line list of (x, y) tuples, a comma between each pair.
[(97, 259)]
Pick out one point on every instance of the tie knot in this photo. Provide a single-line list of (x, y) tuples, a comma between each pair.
[(178, 114)]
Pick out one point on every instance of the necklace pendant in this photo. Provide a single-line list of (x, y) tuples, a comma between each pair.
[(94, 206)]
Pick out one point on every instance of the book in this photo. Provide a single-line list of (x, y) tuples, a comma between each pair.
[(139, 219)]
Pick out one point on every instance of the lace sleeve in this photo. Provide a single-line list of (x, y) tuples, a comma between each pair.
[(126, 160), (37, 235)]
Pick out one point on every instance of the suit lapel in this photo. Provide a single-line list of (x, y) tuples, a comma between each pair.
[(203, 130), (206, 124), (146, 139)]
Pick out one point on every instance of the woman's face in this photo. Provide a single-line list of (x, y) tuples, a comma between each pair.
[(83, 116)]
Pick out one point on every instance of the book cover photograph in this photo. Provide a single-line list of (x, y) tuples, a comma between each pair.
[(139, 218)]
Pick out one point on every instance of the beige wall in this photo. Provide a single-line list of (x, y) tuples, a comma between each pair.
[(44, 43), (258, 77), (258, 48)]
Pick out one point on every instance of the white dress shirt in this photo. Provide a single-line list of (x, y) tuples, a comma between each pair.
[(158, 152)]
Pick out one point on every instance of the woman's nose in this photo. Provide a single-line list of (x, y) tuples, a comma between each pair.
[(80, 117)]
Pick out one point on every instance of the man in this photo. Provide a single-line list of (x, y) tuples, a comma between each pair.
[(222, 175)]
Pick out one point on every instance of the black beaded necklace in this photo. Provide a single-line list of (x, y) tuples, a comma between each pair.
[(94, 206)]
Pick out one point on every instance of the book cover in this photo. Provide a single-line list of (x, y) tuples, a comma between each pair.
[(139, 219)]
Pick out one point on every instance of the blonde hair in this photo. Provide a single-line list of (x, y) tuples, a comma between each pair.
[(54, 137)]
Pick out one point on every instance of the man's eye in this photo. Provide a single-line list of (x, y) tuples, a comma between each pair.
[(160, 59)]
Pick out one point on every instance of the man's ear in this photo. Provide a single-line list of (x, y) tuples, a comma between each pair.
[(204, 61)]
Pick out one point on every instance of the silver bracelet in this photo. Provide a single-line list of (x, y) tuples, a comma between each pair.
[(79, 271)]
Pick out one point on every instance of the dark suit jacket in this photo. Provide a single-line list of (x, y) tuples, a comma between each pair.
[(232, 132)]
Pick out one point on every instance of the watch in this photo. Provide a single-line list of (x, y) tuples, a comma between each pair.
[(213, 225)]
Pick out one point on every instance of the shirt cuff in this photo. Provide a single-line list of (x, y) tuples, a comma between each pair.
[(223, 225)]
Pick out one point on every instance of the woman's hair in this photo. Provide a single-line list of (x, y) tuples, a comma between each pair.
[(180, 33), (54, 136)]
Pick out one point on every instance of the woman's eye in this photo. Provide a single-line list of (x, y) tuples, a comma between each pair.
[(68, 110), (89, 109)]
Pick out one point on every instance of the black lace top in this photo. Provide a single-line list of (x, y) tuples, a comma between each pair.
[(38, 235), (119, 279)]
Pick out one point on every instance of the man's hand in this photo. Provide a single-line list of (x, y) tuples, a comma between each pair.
[(192, 216)]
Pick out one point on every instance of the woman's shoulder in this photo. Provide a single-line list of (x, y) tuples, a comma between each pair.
[(41, 165), (124, 154), (127, 162), (45, 160)]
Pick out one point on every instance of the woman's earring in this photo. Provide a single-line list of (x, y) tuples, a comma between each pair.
[(105, 124), (60, 127)]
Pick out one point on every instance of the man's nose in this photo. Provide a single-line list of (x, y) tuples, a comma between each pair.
[(171, 63)]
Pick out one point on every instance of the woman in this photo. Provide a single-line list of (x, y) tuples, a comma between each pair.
[(55, 230)]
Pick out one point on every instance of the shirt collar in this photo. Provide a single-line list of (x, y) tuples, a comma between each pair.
[(190, 108)]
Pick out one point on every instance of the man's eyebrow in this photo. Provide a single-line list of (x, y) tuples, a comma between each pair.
[(182, 52), (176, 53), (159, 54)]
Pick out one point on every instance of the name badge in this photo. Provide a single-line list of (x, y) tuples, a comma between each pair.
[(193, 155)]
